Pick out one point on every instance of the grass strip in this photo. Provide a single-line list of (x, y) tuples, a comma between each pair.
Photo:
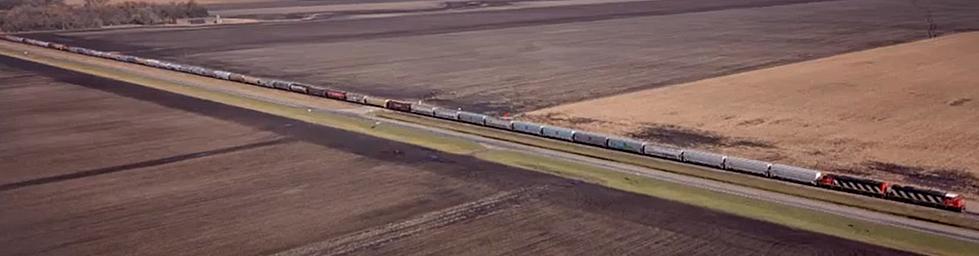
[(875, 204)]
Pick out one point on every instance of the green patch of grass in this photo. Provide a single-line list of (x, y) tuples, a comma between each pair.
[(896, 208)]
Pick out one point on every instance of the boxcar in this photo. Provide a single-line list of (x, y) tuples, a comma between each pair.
[(336, 94), (624, 144), (423, 109), (472, 118), (529, 128), (797, 174), (446, 113), (748, 166), (499, 123), (399, 106)]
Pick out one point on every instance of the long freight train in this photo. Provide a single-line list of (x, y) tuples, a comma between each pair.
[(903, 193)]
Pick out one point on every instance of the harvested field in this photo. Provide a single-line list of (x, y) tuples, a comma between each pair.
[(904, 112), (268, 185), (523, 59)]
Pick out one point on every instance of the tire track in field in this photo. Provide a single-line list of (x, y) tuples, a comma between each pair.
[(376, 236), (140, 165)]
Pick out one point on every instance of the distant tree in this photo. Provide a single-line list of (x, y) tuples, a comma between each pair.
[(54, 14)]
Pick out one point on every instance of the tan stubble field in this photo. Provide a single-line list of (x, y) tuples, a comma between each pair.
[(907, 113)]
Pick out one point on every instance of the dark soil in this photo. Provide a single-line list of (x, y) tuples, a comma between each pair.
[(691, 138)]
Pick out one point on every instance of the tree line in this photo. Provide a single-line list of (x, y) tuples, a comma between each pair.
[(27, 15)]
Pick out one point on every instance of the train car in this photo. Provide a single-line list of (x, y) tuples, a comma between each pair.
[(663, 152), (176, 67), (399, 106), (423, 109), (267, 83), (182, 68), (237, 78), (499, 123), (220, 74), (355, 97), (202, 71), (179, 67), (624, 144), (854, 184), (142, 61), (376, 101), (558, 133), (927, 197), (152, 63), (445, 113), (704, 158), (334, 94), (61, 47), (75, 49), (37, 42), (13, 38), (250, 80), (593, 139), (299, 87), (472, 118), (118, 57), (317, 91), (281, 85), (748, 165), (796, 174), (528, 128)]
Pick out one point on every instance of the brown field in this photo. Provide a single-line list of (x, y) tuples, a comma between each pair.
[(524, 59), (905, 112), (98, 167)]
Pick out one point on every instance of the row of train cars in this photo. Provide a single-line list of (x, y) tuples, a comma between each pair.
[(909, 194)]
